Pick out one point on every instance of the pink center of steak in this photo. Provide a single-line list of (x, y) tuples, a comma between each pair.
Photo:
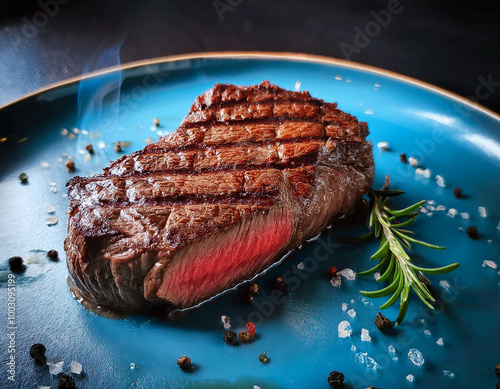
[(203, 270)]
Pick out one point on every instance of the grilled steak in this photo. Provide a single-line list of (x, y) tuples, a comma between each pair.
[(249, 174)]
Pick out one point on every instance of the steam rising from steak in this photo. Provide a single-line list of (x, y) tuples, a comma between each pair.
[(249, 174)]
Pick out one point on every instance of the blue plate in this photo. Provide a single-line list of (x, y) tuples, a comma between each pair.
[(448, 135)]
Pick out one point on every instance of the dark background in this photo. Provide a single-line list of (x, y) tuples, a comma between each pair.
[(451, 44)]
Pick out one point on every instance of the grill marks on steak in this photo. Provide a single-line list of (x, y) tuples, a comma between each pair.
[(250, 173)]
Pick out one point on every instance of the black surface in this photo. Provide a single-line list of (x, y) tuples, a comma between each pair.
[(451, 44)]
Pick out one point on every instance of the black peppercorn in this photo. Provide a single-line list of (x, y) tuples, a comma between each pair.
[(280, 283), (53, 254), (90, 149), (16, 264), (184, 362), (253, 289), (66, 382), (457, 192), (471, 232), (37, 352), (497, 369), (247, 298), (497, 385), (383, 323), (70, 165), (229, 337), (336, 379), (402, 158), (244, 337)]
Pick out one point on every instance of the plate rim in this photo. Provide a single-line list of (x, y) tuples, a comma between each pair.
[(290, 56)]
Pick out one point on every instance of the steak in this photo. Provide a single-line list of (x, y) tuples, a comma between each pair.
[(250, 173)]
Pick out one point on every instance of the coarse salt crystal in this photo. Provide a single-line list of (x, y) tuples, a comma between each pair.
[(226, 321), (487, 263), (423, 172), (444, 284), (384, 146), (85, 132), (82, 151), (413, 161), (427, 332), (353, 347), (152, 128), (348, 274), (71, 135), (429, 214), (53, 189), (101, 144), (336, 281), (76, 131), (464, 215), (365, 335), (423, 210), (256, 387), (46, 165), (440, 341), (416, 357), (376, 276), (44, 387), (431, 202), (51, 221), (392, 352), (87, 158), (482, 211), (76, 367), (50, 209), (410, 378), (344, 329), (344, 306), (352, 313), (440, 181), (440, 208), (55, 365), (452, 212), (64, 132), (448, 373), (301, 266), (297, 86), (132, 366), (52, 183), (430, 207)]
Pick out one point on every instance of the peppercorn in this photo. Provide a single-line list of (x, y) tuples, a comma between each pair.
[(280, 283), (53, 254), (229, 337), (37, 352), (332, 271), (90, 148), (251, 329), (253, 289), (118, 148), (24, 178), (402, 158), (336, 379), (247, 298), (471, 232), (184, 362), (156, 122), (70, 165), (244, 337), (263, 358), (16, 264), (457, 192), (383, 323), (497, 369), (66, 382)]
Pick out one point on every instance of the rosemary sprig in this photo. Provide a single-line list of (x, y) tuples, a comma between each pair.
[(394, 262)]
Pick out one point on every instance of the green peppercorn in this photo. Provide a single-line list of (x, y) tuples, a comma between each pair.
[(66, 382), (24, 178), (336, 379), (37, 352), (497, 369), (383, 323), (53, 254), (184, 362), (263, 358), (230, 337), (244, 337), (16, 264)]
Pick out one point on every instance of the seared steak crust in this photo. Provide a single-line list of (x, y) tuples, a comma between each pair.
[(249, 174)]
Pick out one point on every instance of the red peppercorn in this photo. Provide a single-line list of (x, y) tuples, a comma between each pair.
[(251, 329), (332, 271)]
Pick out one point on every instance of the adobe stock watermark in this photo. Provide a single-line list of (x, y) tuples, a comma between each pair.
[(223, 6), (11, 327), (404, 340), (294, 277), (363, 36)]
